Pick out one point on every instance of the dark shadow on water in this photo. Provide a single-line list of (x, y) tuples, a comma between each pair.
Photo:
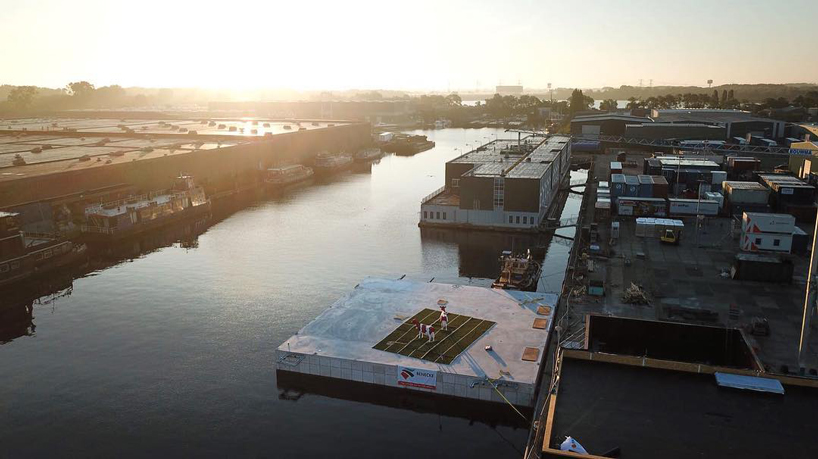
[(292, 386)]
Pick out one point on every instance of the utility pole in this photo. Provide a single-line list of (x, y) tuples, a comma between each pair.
[(809, 300)]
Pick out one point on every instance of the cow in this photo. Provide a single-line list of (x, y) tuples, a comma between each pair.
[(444, 318), (424, 330)]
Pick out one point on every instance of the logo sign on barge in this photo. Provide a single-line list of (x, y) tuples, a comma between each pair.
[(414, 377)]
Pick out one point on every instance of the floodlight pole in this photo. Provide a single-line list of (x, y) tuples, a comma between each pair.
[(809, 300)]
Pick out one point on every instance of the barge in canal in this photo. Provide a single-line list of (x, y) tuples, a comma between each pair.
[(138, 214)]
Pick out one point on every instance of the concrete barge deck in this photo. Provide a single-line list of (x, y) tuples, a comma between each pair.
[(340, 343)]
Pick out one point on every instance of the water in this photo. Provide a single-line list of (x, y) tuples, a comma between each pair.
[(171, 351)]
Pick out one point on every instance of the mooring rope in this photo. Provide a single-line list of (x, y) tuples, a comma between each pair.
[(493, 385)]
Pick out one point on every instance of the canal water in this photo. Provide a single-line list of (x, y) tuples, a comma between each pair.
[(166, 346)]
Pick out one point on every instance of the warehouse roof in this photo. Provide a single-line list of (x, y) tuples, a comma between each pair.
[(709, 116), (39, 149), (610, 117), (642, 411), (215, 126)]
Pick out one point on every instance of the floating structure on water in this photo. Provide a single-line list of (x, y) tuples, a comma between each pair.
[(137, 214), (326, 163), (518, 272), (27, 255), (503, 185), (490, 349), (278, 177), (368, 154), (407, 145)]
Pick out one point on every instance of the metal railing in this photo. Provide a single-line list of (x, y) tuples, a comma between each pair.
[(432, 195), (97, 229)]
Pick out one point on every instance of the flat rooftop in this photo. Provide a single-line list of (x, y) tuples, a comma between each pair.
[(491, 160), (710, 116), (243, 127), (359, 320), (651, 412)]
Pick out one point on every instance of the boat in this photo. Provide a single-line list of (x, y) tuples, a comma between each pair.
[(368, 154), (278, 177), (407, 145), (326, 163), (137, 214), (518, 272), (27, 255)]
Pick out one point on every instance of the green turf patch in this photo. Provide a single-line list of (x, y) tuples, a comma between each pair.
[(448, 344)]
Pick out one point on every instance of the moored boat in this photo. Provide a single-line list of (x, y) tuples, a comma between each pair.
[(407, 145), (26, 255), (368, 154), (137, 214), (326, 163), (278, 177), (518, 272)]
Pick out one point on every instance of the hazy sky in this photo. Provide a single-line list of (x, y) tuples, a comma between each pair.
[(431, 45)]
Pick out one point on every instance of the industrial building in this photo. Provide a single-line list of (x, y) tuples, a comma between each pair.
[(501, 185), (604, 124), (736, 122), (681, 124), (509, 90), (42, 159)]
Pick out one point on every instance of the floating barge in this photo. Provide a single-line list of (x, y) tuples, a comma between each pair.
[(494, 342)]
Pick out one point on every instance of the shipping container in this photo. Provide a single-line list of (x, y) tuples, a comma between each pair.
[(800, 241), (631, 186), (652, 167), (802, 213), (732, 209), (641, 207), (764, 268), (716, 177), (660, 187), (745, 192), (715, 196), (645, 186), (614, 230), (766, 242), (692, 207), (603, 185), (617, 185), (752, 222), (616, 167)]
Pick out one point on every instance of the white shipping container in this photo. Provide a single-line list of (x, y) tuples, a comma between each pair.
[(715, 196), (693, 207), (757, 222), (614, 230), (766, 242), (718, 177)]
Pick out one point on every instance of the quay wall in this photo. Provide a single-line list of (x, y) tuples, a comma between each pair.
[(216, 169)]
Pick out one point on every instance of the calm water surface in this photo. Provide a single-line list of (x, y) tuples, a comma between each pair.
[(172, 352)]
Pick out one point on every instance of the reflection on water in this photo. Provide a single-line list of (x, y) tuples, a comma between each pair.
[(166, 343)]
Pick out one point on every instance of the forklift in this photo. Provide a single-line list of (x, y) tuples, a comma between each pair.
[(671, 237)]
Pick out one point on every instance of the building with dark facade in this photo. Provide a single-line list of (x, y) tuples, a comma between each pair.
[(501, 185), (680, 124)]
